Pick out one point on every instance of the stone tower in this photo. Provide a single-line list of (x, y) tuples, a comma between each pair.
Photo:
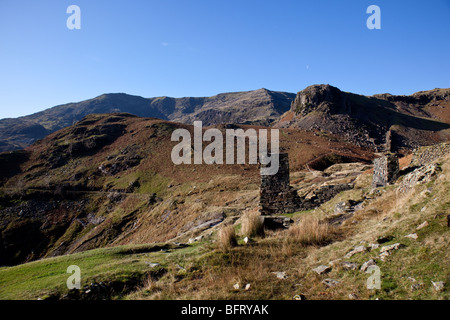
[(385, 170), (276, 194)]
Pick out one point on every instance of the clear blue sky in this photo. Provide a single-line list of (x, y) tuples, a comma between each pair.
[(204, 47)]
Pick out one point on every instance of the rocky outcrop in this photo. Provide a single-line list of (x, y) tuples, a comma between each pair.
[(420, 175), (372, 122)]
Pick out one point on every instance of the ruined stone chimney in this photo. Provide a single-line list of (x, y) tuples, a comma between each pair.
[(276, 194), (385, 170)]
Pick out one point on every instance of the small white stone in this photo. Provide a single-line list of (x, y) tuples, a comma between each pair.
[(412, 236), (280, 275), (438, 286), (423, 225)]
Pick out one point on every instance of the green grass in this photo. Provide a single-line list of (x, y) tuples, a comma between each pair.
[(48, 276)]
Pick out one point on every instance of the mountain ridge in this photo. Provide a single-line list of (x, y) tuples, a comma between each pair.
[(260, 107), (224, 107), (381, 122)]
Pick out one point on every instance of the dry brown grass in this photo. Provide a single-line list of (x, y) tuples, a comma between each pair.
[(227, 238), (252, 224), (309, 231)]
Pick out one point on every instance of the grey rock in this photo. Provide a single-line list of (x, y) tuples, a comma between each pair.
[(412, 236), (384, 255), (330, 282), (367, 264), (334, 263), (349, 265), (355, 251), (322, 269), (423, 225), (391, 247), (438, 286)]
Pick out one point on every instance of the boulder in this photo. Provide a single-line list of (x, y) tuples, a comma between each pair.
[(322, 269), (355, 251), (367, 264)]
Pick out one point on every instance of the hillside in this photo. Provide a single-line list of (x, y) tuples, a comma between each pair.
[(109, 180), (259, 107), (401, 228), (381, 122)]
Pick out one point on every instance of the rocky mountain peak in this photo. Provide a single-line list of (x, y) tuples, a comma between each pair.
[(313, 96)]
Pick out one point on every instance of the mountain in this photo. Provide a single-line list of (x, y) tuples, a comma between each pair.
[(382, 121), (379, 122), (258, 107)]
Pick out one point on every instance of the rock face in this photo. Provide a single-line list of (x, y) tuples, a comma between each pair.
[(276, 194), (385, 170), (374, 122)]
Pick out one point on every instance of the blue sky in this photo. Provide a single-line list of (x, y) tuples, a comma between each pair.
[(204, 47)]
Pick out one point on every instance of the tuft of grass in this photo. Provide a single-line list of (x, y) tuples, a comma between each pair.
[(309, 231), (227, 238), (252, 224)]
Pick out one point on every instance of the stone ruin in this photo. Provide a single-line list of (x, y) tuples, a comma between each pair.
[(276, 194), (385, 170)]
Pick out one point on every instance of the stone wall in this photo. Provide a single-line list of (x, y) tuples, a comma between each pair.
[(276, 194), (322, 195), (385, 170), (426, 155)]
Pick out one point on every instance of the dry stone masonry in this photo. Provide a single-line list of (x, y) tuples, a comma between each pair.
[(426, 155), (276, 194), (385, 170)]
